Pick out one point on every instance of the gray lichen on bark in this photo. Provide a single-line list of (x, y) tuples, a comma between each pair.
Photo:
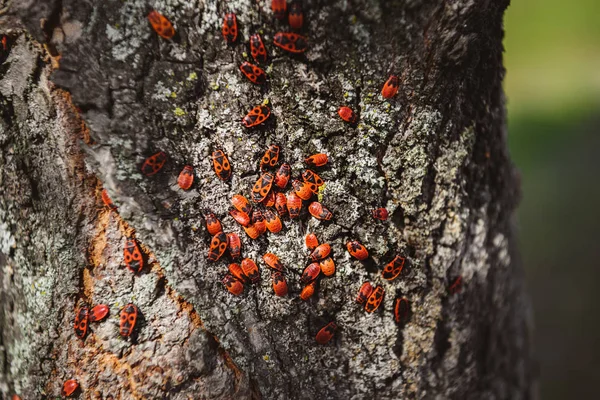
[(435, 157)]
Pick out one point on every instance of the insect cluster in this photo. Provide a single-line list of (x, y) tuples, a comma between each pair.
[(276, 195)]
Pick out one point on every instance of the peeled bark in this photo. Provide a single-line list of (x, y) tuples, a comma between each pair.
[(83, 110)]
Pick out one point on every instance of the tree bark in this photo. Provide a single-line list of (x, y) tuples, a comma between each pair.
[(88, 91)]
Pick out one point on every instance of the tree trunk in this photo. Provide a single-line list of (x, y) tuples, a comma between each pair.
[(88, 91)]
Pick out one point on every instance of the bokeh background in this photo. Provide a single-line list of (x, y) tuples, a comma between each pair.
[(553, 88)]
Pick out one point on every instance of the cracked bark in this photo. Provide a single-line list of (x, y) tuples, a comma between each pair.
[(435, 156)]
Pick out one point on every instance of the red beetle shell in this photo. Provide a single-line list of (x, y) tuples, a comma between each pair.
[(81, 321), (326, 333), (234, 286), (107, 201), (273, 261), (218, 245), (311, 177), (154, 163), (161, 25), (252, 231), (257, 48), (213, 225), (282, 176), (364, 292), (269, 201), (279, 284), (304, 190), (393, 268), (401, 310), (256, 116), (128, 318), (308, 291), (311, 241), (237, 271), (318, 211), (357, 250), (251, 270), (327, 266), (273, 222), (294, 204), (254, 73), (271, 157), (390, 88), (240, 217), (133, 256), (186, 177), (99, 312), (374, 299), (295, 16), (347, 114), (262, 187), (279, 8), (456, 285), (281, 204), (317, 160), (320, 252), (258, 221), (291, 42), (69, 387), (241, 204), (221, 165), (310, 273), (230, 28), (234, 244), (380, 214)]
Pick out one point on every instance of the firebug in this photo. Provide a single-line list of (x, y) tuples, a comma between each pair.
[(230, 28), (240, 217), (99, 312), (221, 165), (401, 310), (81, 321), (283, 175), (320, 252), (234, 244), (290, 42), (218, 245), (237, 271), (357, 250), (310, 177), (295, 16), (186, 177), (294, 204), (254, 73), (390, 87), (279, 8), (241, 204), (128, 318), (308, 291), (304, 190), (279, 284), (374, 299), (256, 116), (311, 241), (281, 204), (133, 256), (107, 201), (69, 387), (273, 262), (234, 286), (270, 158), (364, 292), (161, 25), (327, 266), (319, 212), (347, 114), (257, 48), (380, 214), (393, 268), (154, 163), (310, 273), (326, 333), (213, 225), (262, 187), (251, 270), (273, 222), (317, 160)]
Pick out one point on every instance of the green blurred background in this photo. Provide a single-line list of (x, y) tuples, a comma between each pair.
[(553, 89)]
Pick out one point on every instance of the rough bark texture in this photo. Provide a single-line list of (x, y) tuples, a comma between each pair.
[(435, 156)]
